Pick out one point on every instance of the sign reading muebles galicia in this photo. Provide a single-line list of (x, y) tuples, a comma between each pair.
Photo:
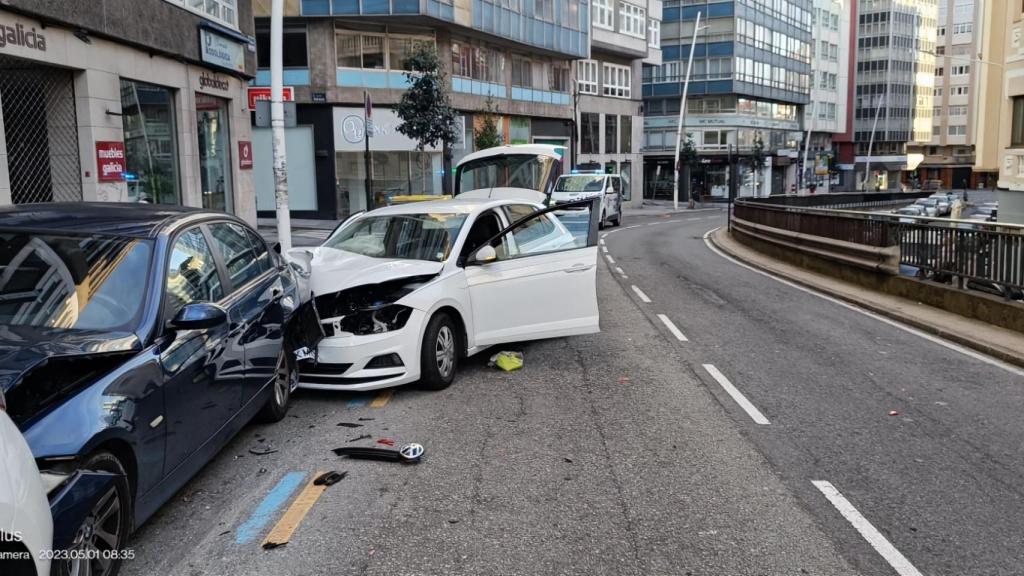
[(220, 51), (18, 35), (110, 163)]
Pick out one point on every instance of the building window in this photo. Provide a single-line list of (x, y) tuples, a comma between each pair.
[(963, 28), (625, 134), (617, 80), (544, 10), (590, 133), (478, 62), (293, 50), (222, 10), (376, 51), (400, 49), (586, 76), (150, 143), (654, 33), (1017, 122), (522, 73), (611, 137), (558, 77), (961, 70), (603, 16), (632, 20)]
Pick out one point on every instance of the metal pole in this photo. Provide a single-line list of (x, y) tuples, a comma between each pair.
[(871, 141), (807, 146), (682, 118), (284, 223), (367, 159)]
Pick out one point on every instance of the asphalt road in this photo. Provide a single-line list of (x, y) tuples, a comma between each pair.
[(620, 453)]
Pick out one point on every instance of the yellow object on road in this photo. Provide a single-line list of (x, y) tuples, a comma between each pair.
[(507, 361)]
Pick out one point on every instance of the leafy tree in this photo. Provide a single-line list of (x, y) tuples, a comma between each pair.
[(758, 159), (425, 108), (687, 160), (487, 135)]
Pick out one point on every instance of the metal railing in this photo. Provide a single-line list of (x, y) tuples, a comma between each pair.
[(945, 249)]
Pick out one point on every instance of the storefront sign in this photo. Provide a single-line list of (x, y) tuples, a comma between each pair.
[(18, 35), (214, 82), (263, 93), (110, 162), (220, 51), (244, 155), (349, 131)]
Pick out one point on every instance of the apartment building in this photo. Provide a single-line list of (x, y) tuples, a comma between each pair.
[(519, 53), (1008, 18)]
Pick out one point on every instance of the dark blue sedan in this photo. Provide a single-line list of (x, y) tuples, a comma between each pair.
[(135, 342)]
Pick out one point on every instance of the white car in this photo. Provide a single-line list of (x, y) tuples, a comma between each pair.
[(401, 294), (580, 185), (26, 527)]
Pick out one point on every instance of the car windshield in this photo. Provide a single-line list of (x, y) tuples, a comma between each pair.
[(426, 236), (580, 184), (529, 171), (74, 282)]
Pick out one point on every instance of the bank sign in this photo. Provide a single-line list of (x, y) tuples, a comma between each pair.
[(349, 131), (220, 51)]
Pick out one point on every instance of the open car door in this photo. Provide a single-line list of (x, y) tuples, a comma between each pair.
[(538, 277)]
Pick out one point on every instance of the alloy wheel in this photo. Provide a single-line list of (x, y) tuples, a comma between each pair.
[(98, 538), (445, 349)]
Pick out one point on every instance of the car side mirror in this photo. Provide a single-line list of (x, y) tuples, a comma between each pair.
[(483, 255), (199, 316)]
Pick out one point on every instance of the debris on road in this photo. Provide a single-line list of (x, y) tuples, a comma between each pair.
[(567, 460), (623, 380), (350, 425), (365, 419), (407, 454), (386, 441), (329, 478), (358, 438), (262, 450), (507, 360), (272, 545), (893, 413)]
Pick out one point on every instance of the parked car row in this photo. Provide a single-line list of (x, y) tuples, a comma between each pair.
[(136, 340)]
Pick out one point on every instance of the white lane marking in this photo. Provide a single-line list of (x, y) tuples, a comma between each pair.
[(672, 328), (656, 223), (940, 341), (633, 226), (898, 561), (738, 396), (601, 241), (609, 258), (612, 232), (620, 271), (640, 293), (604, 249), (692, 219)]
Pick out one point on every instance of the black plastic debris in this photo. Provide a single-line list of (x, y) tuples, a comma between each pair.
[(262, 450), (408, 454), (365, 419), (330, 478), (350, 425), (363, 437), (272, 545)]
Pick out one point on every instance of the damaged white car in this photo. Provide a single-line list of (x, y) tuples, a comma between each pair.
[(401, 294)]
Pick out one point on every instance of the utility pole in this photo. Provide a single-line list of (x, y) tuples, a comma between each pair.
[(367, 158), (284, 222), (682, 120)]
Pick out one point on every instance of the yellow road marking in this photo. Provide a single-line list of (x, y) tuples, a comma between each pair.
[(382, 399), (286, 526)]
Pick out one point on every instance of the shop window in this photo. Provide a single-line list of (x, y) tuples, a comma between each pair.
[(294, 53), (590, 130), (150, 142), (610, 134)]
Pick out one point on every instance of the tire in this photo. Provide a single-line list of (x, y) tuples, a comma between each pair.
[(600, 223), (284, 383), (618, 220), (440, 337), (107, 526)]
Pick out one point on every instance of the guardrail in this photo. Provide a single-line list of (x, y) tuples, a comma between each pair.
[(944, 249)]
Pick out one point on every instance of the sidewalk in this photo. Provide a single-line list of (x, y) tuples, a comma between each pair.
[(1000, 343), (663, 207)]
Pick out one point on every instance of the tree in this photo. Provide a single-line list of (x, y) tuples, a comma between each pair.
[(687, 160), (425, 108), (758, 160), (487, 135)]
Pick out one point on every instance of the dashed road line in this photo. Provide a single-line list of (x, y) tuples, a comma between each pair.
[(621, 272), (268, 507), (672, 328), (738, 396), (604, 249), (609, 258), (633, 226), (640, 294), (898, 561), (601, 241), (692, 219)]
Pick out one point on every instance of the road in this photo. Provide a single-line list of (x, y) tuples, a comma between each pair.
[(685, 438)]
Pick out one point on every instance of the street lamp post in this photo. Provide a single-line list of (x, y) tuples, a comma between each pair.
[(682, 120), (284, 223)]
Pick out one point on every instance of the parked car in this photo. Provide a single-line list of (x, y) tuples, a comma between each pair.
[(930, 206), (943, 204), (135, 341), (26, 527), (608, 187), (404, 293), (911, 210)]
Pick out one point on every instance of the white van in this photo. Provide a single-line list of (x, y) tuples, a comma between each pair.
[(580, 185)]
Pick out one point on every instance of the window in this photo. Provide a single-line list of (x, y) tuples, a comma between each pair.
[(237, 253), (603, 16), (940, 71), (611, 135), (833, 52), (150, 142), (590, 130), (223, 10), (963, 28), (961, 70), (522, 73), (293, 49), (400, 48), (958, 91), (632, 20), (191, 273), (617, 80), (586, 76), (376, 51), (1017, 122), (960, 130), (478, 62), (654, 33), (558, 77), (544, 10), (835, 22), (625, 134), (260, 247)]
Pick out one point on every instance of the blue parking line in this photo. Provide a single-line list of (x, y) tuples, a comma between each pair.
[(274, 500), (360, 400)]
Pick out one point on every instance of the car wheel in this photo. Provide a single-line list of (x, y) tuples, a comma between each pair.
[(286, 378), (104, 532), (618, 220), (600, 223), (439, 355)]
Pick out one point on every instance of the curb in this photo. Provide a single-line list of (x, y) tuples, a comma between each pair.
[(1016, 360)]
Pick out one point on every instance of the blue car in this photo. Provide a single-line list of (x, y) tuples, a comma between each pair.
[(135, 342)]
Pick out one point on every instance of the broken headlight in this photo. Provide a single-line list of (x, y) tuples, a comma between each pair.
[(386, 319)]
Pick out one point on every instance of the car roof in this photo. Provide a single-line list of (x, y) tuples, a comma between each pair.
[(115, 218), (455, 205)]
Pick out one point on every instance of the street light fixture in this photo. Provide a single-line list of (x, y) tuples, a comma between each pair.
[(682, 120)]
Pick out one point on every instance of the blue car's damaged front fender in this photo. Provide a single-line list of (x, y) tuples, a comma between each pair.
[(74, 501)]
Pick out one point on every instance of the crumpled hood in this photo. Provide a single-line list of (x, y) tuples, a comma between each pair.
[(332, 270), (23, 348)]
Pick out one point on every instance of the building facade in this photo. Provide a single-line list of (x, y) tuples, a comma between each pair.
[(960, 98), (517, 53), (99, 105), (625, 36), (750, 81), (1007, 23), (894, 88)]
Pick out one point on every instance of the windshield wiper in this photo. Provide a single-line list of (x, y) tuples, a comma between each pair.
[(26, 296)]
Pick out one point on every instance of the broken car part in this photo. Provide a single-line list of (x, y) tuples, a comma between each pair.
[(330, 478), (407, 454)]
